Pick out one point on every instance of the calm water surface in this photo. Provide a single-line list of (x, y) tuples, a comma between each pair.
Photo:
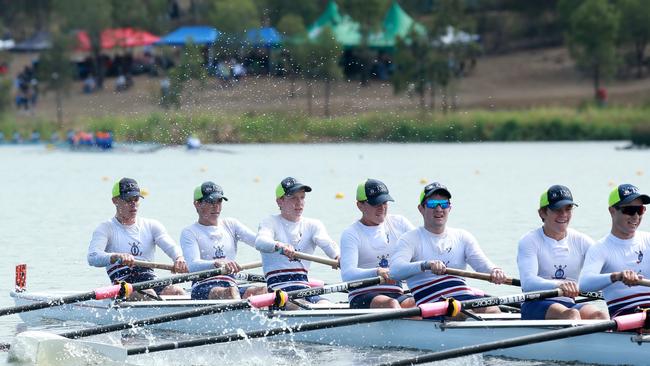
[(52, 200)]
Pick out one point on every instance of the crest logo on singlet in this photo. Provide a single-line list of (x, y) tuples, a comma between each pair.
[(135, 249), (218, 252), (383, 260), (639, 256), (559, 271)]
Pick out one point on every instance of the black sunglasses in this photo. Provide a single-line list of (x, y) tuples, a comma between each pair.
[(631, 210)]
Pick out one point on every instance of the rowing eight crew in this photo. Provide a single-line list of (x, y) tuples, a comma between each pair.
[(389, 246)]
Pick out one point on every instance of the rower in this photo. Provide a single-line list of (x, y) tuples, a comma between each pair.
[(616, 264), (551, 257), (422, 255), (116, 243), (365, 249), (212, 242), (280, 236)]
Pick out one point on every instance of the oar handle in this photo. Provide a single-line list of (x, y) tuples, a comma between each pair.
[(251, 265), (317, 259), (169, 267), (479, 276), (645, 283)]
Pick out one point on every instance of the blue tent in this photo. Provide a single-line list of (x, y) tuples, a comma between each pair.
[(262, 37), (203, 35)]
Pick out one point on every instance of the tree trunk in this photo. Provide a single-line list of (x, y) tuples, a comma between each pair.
[(432, 96), (640, 48), (310, 96), (596, 80), (328, 87), (59, 108), (292, 88), (423, 103)]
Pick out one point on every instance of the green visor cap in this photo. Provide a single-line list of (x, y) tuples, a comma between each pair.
[(555, 197), (432, 188), (209, 192), (289, 186), (373, 191), (626, 193)]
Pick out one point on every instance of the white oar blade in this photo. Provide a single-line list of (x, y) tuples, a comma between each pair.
[(47, 349)]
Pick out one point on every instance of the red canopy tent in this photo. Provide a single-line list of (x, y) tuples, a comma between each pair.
[(117, 37)]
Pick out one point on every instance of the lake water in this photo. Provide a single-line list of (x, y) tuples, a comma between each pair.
[(51, 200)]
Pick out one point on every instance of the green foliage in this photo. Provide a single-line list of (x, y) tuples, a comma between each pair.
[(233, 16), (474, 126), (319, 59), (636, 30), (5, 94), (592, 38), (291, 25), (55, 70), (640, 135), (149, 15), (278, 9)]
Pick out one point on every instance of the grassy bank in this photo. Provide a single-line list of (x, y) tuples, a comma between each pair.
[(542, 124)]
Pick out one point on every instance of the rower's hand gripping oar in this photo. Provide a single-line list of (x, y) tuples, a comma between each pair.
[(511, 281), (118, 291), (315, 258), (449, 307), (620, 324)]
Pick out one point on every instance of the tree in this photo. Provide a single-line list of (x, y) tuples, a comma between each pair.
[(93, 16), (275, 10), (56, 72), (189, 68), (369, 14), (150, 15), (318, 60), (233, 16), (292, 27), (592, 39), (637, 28)]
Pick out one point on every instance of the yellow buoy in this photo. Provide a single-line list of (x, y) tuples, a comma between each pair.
[(610, 183), (339, 195), (144, 192), (256, 179), (203, 169), (423, 181), (639, 172), (477, 172), (105, 178)]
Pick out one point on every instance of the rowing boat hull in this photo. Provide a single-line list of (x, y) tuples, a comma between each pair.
[(599, 348)]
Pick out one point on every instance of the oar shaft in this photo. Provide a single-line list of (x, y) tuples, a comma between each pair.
[(479, 276), (242, 304), (317, 259), (136, 287), (168, 267), (325, 324), (213, 309), (508, 343), (514, 281)]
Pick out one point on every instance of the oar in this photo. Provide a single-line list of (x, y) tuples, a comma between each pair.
[(168, 267), (121, 290), (317, 259), (620, 324), (257, 301), (450, 307), (512, 281)]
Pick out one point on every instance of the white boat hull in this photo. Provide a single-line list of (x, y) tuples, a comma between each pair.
[(600, 348)]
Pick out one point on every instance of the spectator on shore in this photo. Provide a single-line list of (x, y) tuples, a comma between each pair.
[(89, 84), (120, 83), (35, 137), (2, 137), (16, 138)]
